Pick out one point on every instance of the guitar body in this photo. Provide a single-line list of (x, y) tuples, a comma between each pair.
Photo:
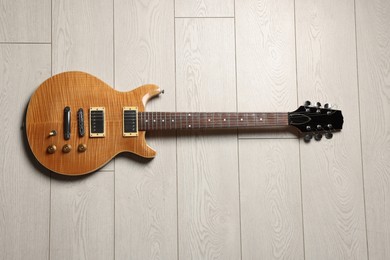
[(76, 123), (77, 90)]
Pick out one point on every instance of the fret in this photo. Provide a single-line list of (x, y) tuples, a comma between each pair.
[(148, 121), (254, 117), (183, 122), (170, 120)]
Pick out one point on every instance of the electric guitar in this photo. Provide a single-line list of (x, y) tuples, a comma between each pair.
[(75, 123)]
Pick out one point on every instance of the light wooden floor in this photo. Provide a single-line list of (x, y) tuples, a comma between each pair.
[(235, 196)]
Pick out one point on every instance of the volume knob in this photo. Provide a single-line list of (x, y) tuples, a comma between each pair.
[(66, 148), (82, 148), (51, 149)]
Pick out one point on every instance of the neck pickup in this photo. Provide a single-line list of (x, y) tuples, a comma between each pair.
[(97, 122)]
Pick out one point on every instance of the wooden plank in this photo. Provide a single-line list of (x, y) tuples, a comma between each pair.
[(208, 209), (83, 40), (333, 206), (82, 210), (271, 210), (266, 80), (145, 190), (373, 37), (204, 8), (25, 21), (24, 186), (82, 217)]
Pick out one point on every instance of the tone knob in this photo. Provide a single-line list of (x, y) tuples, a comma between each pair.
[(82, 148), (66, 148), (51, 149)]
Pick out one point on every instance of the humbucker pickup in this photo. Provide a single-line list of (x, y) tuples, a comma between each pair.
[(130, 127), (97, 122)]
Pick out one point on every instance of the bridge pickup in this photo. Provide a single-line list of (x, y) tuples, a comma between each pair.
[(97, 122), (130, 118)]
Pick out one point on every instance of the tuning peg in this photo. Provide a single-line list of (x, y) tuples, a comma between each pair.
[(307, 103), (318, 104), (328, 135), (318, 136), (330, 126), (327, 106), (307, 137)]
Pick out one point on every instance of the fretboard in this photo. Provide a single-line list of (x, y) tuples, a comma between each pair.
[(187, 120)]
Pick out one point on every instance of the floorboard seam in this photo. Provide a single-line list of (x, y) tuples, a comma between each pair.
[(360, 127)]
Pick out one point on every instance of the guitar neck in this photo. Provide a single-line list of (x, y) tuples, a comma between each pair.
[(148, 121)]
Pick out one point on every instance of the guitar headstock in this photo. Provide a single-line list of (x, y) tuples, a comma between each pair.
[(316, 121)]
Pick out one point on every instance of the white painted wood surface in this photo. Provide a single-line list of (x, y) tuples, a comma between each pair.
[(25, 21), (204, 8), (373, 38), (206, 196), (145, 191), (271, 210), (24, 190), (332, 188), (208, 215), (265, 42), (82, 211)]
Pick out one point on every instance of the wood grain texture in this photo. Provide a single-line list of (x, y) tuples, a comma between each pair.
[(266, 79), (24, 190), (82, 223), (208, 209), (204, 8), (333, 206), (81, 90), (373, 36), (145, 191), (271, 210), (83, 40), (25, 21)]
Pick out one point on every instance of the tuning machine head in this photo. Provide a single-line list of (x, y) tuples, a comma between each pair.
[(318, 136), (307, 137), (328, 135)]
